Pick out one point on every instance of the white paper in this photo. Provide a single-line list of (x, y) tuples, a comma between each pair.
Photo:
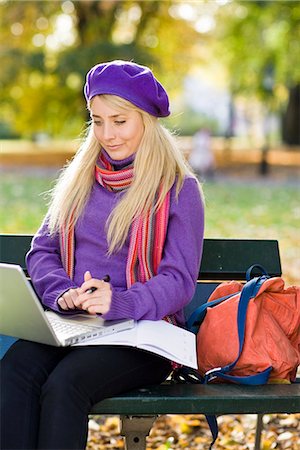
[(158, 337)]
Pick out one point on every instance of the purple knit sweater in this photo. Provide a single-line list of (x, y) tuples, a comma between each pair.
[(166, 293)]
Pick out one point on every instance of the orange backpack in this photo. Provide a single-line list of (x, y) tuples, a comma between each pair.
[(250, 334)]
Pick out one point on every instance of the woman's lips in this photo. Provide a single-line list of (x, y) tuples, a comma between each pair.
[(114, 147)]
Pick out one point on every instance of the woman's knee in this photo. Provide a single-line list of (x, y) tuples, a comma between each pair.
[(28, 363), (65, 386)]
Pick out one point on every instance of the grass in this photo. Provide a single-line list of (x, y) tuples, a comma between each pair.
[(233, 209), (260, 211), (22, 204)]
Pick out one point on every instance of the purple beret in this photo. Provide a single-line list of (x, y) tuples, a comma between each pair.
[(130, 81)]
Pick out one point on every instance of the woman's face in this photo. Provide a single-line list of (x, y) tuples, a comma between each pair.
[(118, 131)]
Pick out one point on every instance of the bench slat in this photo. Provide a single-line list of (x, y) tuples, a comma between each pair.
[(223, 259), (13, 248), (228, 259), (204, 399)]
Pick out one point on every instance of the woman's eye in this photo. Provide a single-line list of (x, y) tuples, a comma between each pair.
[(117, 122)]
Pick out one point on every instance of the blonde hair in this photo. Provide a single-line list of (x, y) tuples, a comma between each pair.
[(158, 161)]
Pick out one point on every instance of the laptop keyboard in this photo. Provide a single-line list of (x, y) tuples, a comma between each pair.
[(69, 329)]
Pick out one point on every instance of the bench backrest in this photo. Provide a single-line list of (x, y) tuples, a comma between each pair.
[(223, 259)]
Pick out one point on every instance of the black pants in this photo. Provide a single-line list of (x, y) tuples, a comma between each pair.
[(47, 392)]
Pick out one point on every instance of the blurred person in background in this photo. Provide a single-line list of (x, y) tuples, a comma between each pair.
[(201, 158)]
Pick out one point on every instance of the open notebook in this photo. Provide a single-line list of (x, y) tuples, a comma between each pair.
[(160, 337), (22, 315)]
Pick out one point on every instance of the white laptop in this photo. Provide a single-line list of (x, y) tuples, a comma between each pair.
[(22, 315)]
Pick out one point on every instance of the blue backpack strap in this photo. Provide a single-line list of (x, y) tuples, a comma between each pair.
[(214, 429), (248, 292), (257, 379), (255, 266), (197, 317)]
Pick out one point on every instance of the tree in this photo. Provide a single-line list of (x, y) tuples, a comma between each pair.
[(259, 42), (49, 46)]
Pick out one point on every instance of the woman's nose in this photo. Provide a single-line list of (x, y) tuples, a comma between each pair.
[(108, 131)]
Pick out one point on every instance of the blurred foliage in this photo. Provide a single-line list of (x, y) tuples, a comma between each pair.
[(47, 48), (260, 43), (43, 69)]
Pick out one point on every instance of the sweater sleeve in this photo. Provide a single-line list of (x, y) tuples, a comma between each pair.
[(45, 268), (174, 285)]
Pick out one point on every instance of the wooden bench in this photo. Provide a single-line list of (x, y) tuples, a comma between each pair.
[(223, 259)]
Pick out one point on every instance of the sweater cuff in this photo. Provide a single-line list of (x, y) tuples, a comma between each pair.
[(122, 306)]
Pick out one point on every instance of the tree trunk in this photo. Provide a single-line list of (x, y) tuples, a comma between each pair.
[(291, 118)]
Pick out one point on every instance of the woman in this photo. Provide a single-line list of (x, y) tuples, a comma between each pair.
[(127, 206)]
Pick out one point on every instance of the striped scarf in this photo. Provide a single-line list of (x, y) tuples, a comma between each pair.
[(148, 232)]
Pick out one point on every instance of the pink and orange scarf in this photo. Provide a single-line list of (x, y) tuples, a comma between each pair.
[(147, 234)]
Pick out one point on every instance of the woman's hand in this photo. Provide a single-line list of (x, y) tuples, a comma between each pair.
[(96, 302), (68, 299)]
